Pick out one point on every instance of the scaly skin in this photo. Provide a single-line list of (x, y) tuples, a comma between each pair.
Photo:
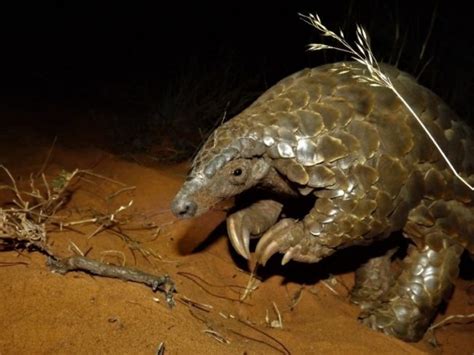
[(373, 171)]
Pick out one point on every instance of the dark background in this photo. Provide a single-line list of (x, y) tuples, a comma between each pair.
[(145, 72)]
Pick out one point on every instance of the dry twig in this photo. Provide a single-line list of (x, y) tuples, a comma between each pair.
[(80, 263)]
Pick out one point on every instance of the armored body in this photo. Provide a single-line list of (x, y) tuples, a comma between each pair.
[(371, 170)]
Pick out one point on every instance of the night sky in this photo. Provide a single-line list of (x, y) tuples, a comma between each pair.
[(132, 56)]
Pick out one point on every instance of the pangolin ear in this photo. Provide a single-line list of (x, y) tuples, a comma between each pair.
[(260, 169)]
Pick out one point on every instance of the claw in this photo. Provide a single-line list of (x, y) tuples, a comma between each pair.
[(239, 240), (269, 244), (290, 254), (269, 251), (251, 223)]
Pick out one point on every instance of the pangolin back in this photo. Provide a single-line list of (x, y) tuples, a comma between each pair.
[(318, 124)]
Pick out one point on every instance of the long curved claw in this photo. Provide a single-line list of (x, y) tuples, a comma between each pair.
[(239, 235), (268, 252), (290, 238), (251, 222), (290, 254), (277, 239)]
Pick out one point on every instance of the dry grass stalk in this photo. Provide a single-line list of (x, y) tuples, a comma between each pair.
[(330, 288), (115, 253), (442, 323), (31, 212), (25, 222), (362, 53), (161, 349), (296, 297), (216, 335), (201, 306), (202, 283), (252, 284), (276, 323), (280, 346), (248, 337)]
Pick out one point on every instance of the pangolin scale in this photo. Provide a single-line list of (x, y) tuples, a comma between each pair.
[(372, 170)]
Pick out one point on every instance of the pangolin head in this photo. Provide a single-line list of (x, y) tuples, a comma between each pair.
[(229, 163)]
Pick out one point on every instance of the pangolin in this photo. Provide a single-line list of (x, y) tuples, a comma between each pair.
[(371, 170)]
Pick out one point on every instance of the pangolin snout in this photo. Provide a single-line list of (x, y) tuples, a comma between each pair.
[(183, 208)]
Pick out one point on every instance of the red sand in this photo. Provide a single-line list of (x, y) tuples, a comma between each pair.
[(45, 313)]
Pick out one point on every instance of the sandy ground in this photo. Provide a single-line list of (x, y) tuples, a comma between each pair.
[(46, 313)]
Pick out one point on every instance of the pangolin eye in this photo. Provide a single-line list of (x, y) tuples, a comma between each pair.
[(237, 172)]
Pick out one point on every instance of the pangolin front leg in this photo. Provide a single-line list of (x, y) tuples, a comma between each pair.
[(251, 222), (293, 239), (320, 233)]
